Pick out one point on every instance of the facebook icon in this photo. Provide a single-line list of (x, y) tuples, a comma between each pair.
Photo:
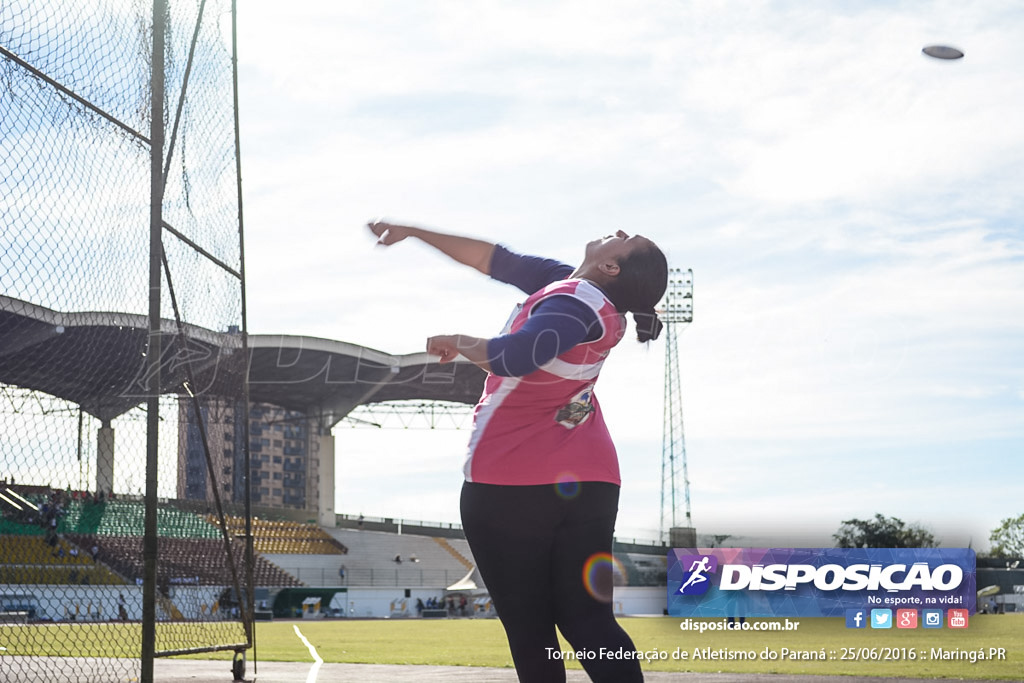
[(856, 618)]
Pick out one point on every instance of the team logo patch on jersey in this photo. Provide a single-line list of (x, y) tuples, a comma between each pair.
[(578, 410)]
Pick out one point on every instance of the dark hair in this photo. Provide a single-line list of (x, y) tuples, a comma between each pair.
[(639, 286)]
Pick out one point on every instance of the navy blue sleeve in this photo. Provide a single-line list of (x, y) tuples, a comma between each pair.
[(528, 273), (555, 326)]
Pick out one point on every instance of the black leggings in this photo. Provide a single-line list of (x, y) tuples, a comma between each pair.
[(531, 545)]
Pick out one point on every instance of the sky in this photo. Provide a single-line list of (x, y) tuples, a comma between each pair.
[(849, 206)]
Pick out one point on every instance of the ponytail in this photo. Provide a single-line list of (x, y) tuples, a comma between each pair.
[(648, 325)]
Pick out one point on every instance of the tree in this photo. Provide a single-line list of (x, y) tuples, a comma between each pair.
[(1008, 538), (882, 532)]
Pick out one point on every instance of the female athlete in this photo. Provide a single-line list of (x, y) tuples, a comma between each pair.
[(541, 474)]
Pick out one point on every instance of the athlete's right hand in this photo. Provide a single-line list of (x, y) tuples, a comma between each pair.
[(388, 233), (445, 345)]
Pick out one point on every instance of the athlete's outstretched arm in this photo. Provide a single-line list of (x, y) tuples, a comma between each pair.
[(466, 250)]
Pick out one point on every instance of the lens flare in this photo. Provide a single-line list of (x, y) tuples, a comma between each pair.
[(568, 486), (598, 575)]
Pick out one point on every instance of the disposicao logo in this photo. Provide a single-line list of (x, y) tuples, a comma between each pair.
[(836, 577), (822, 582)]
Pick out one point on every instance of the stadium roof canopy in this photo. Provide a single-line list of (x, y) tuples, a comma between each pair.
[(98, 361)]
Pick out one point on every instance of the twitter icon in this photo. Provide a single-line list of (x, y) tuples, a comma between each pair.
[(881, 618)]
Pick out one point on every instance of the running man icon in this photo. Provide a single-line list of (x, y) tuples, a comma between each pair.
[(697, 570)]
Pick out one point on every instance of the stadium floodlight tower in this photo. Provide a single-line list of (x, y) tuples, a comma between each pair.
[(676, 312)]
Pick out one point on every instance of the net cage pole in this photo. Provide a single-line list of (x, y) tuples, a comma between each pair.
[(154, 351), (250, 561)]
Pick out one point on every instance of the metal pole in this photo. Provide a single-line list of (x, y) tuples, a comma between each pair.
[(666, 418), (677, 311), (81, 482), (250, 560), (149, 543)]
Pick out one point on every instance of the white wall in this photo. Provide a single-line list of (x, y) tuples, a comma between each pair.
[(640, 600), (99, 603), (376, 602), (195, 602), (85, 603)]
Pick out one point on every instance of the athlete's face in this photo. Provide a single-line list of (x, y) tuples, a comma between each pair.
[(613, 248)]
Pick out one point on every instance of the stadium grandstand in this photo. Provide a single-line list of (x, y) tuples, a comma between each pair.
[(361, 567), (379, 567)]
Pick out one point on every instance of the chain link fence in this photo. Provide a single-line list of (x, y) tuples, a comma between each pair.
[(81, 495)]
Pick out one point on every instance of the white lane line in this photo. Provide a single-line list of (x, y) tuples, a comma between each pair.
[(313, 653)]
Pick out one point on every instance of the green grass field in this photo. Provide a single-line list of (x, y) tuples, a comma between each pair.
[(465, 642)]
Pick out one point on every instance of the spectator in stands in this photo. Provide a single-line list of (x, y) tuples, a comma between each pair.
[(398, 559), (542, 477)]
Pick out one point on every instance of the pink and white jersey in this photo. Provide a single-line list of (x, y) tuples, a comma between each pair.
[(546, 427)]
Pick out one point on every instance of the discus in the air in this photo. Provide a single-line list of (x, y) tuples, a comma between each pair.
[(942, 52)]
